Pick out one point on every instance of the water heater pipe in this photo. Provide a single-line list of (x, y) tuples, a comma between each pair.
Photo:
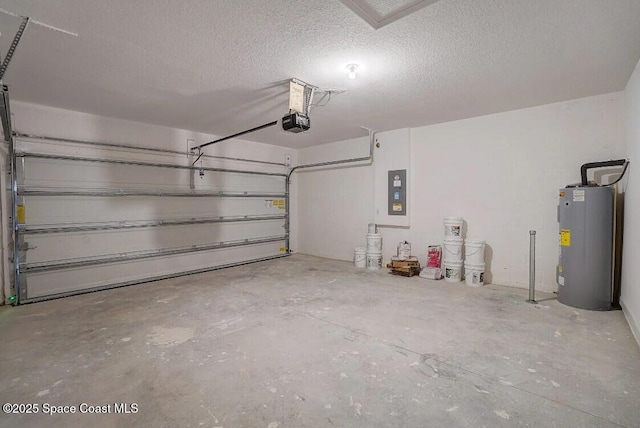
[(613, 241), (590, 165)]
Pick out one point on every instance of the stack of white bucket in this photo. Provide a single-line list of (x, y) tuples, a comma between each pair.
[(374, 248), (474, 262), (452, 254), (371, 255)]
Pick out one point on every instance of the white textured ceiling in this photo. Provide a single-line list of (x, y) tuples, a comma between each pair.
[(218, 66)]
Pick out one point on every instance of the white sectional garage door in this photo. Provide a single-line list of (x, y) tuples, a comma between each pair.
[(93, 216)]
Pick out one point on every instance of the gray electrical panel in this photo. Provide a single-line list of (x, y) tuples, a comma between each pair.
[(397, 199), (584, 267)]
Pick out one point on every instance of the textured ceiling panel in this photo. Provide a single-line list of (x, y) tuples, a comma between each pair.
[(222, 66)]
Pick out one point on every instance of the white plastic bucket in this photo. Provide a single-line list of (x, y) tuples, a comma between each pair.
[(452, 271), (474, 274), (404, 250), (374, 260), (374, 242), (452, 226), (360, 257), (474, 251), (373, 228), (452, 249)]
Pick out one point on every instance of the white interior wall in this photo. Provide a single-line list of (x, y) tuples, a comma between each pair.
[(630, 281), (335, 204), (41, 120), (500, 172)]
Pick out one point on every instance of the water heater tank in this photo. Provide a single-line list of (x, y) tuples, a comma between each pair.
[(585, 214)]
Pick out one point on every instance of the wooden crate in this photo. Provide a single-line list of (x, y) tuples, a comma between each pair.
[(397, 263), (409, 272), (408, 267)]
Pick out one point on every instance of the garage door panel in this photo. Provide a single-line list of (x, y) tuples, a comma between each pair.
[(104, 242), (47, 173), (70, 210), (82, 279)]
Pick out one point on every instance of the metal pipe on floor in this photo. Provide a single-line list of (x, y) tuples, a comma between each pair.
[(532, 267)]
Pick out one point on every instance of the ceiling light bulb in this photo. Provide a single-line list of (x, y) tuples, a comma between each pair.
[(352, 70)]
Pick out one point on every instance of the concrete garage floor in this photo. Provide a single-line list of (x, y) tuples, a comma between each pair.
[(305, 341)]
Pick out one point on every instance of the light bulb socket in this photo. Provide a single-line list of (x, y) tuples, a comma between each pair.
[(352, 70)]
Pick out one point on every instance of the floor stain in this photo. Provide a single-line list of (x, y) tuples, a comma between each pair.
[(164, 336)]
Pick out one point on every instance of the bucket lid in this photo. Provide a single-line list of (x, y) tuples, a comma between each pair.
[(474, 241), (360, 249), (456, 219), (374, 235), (456, 239), (375, 253), (451, 264), (474, 265)]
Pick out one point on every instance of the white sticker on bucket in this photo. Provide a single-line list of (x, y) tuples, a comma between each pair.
[(560, 280), (578, 195)]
